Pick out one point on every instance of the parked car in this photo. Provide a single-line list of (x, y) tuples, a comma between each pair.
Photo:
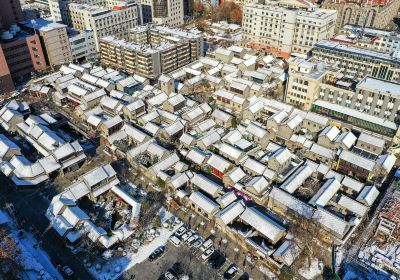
[(231, 272), (192, 239), (157, 253), (217, 260), (177, 269), (207, 244), (175, 241), (180, 231), (197, 243), (169, 276), (244, 276), (207, 253), (68, 271), (187, 235)]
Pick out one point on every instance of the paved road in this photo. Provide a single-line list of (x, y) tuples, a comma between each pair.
[(31, 204)]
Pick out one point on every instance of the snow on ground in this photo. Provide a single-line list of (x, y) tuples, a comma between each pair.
[(381, 258), (313, 271), (117, 266), (34, 261), (267, 272)]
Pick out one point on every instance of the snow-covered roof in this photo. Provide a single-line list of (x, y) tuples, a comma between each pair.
[(230, 213), (297, 179), (236, 174), (331, 221), (221, 115), (218, 162), (331, 132), (254, 166), (352, 184), (291, 202), (6, 145), (282, 155), (187, 139), (206, 125), (326, 192), (98, 174), (322, 151), (206, 184), (197, 156), (371, 140), (316, 118), (227, 198), (368, 195), (256, 130), (206, 204), (352, 205), (386, 161), (210, 138), (357, 160), (229, 151), (347, 138), (287, 252), (263, 224), (179, 179)]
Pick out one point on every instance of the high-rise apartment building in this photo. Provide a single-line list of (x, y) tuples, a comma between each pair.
[(368, 13), (284, 30)]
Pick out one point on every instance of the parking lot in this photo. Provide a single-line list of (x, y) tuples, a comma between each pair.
[(190, 258)]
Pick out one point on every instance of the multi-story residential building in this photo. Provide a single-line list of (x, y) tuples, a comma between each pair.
[(368, 13), (54, 39), (145, 59), (82, 44), (286, 30), (156, 35), (166, 12), (357, 62), (113, 18)]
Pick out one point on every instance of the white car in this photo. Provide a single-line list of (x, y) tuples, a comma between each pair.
[(175, 241), (168, 275), (207, 253), (187, 235), (192, 239), (207, 244), (198, 243), (180, 231)]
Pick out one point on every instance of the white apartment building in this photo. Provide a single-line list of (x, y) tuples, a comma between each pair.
[(165, 12), (82, 44), (286, 30), (114, 18)]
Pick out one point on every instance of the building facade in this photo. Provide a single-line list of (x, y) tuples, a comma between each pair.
[(286, 30), (111, 19), (357, 62), (368, 13)]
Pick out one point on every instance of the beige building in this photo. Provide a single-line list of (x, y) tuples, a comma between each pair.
[(56, 42), (376, 14), (111, 18), (286, 30), (164, 12)]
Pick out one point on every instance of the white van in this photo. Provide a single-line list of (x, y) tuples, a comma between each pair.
[(175, 241), (207, 244)]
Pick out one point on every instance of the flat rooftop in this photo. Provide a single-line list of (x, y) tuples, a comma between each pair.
[(379, 85)]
